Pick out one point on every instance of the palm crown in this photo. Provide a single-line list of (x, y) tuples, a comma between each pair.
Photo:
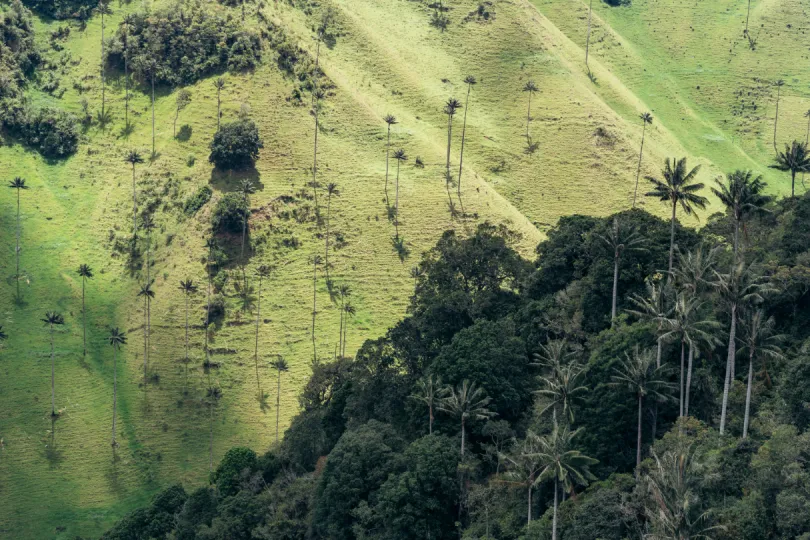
[(133, 157), (400, 155), (53, 318), (188, 286), (390, 119), (530, 87), (146, 290), (85, 271), (795, 159), (17, 183), (679, 186), (452, 106), (742, 193), (117, 338), (467, 402), (280, 364), (646, 117), (638, 373), (470, 80), (561, 462)]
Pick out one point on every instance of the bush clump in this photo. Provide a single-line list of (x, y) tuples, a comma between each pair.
[(64, 9), (236, 145), (53, 132), (229, 214), (197, 200), (183, 43)]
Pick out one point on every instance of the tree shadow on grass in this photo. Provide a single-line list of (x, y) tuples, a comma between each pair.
[(53, 453), (229, 181)]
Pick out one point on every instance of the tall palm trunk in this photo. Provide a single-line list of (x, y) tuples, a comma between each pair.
[(736, 238), (638, 435), (145, 339), (449, 143), (681, 402), (345, 333), (387, 155), (732, 336), (84, 319), (529, 510), (219, 107), (256, 350), (640, 154), (615, 286), (529, 117), (208, 314), (314, 308), (126, 82), (53, 379), (134, 208), (242, 251), (776, 117), (340, 330), (588, 38), (185, 384), (396, 203), (316, 111), (328, 224), (806, 139), (463, 436), (153, 112), (554, 518), (748, 393), (689, 378), (672, 239), (17, 250), (103, 78), (463, 138), (747, 16), (278, 402), (211, 436), (115, 390)]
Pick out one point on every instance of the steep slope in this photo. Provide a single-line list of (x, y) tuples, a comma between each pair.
[(62, 480)]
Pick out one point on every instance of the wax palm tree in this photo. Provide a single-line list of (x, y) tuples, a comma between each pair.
[(331, 191), (688, 326), (263, 271), (695, 269), (531, 88), (390, 120), (563, 464), (588, 37), (316, 111), (779, 84), (18, 184), (759, 340), (280, 365), (747, 16), (219, 84), (470, 81), (126, 28), (401, 157), (316, 261), (147, 293), (246, 186), (466, 402), (450, 109), (51, 320), (742, 194), (678, 187), (103, 9), (646, 118), (620, 239), (672, 505), (343, 292), (134, 158), (561, 380), (85, 272), (189, 288), (639, 374), (795, 158), (742, 286), (210, 244), (429, 391), (350, 311), (525, 465), (117, 338), (652, 307)]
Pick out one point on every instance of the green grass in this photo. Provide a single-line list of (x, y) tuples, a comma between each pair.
[(388, 60)]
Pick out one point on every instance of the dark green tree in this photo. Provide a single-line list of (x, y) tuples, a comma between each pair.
[(678, 187), (116, 338), (795, 159), (51, 320), (236, 145), (85, 272), (742, 194)]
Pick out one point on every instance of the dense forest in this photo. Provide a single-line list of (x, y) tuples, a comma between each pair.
[(593, 393)]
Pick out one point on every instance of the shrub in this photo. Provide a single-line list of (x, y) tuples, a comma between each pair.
[(229, 214), (236, 145), (51, 131), (229, 473), (197, 200), (63, 9)]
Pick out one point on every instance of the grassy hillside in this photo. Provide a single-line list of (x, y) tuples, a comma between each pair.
[(686, 63)]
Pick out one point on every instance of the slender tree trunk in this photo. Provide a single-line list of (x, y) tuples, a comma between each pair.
[(672, 240), (682, 381), (314, 308), (145, 346), (345, 334), (640, 154), (256, 350), (208, 315), (792, 183), (153, 112), (115, 391), (529, 117), (748, 393), (463, 137), (529, 510), (134, 208), (638, 437), (588, 38), (736, 238), (776, 117), (615, 287), (463, 436), (17, 251), (244, 234), (658, 352), (554, 519), (174, 125), (747, 16), (317, 127), (806, 140), (387, 154), (185, 384), (430, 419), (328, 224), (396, 203), (211, 436), (340, 330), (732, 335), (103, 78), (689, 379), (84, 319), (219, 108), (53, 379), (278, 402), (449, 144), (126, 82)]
